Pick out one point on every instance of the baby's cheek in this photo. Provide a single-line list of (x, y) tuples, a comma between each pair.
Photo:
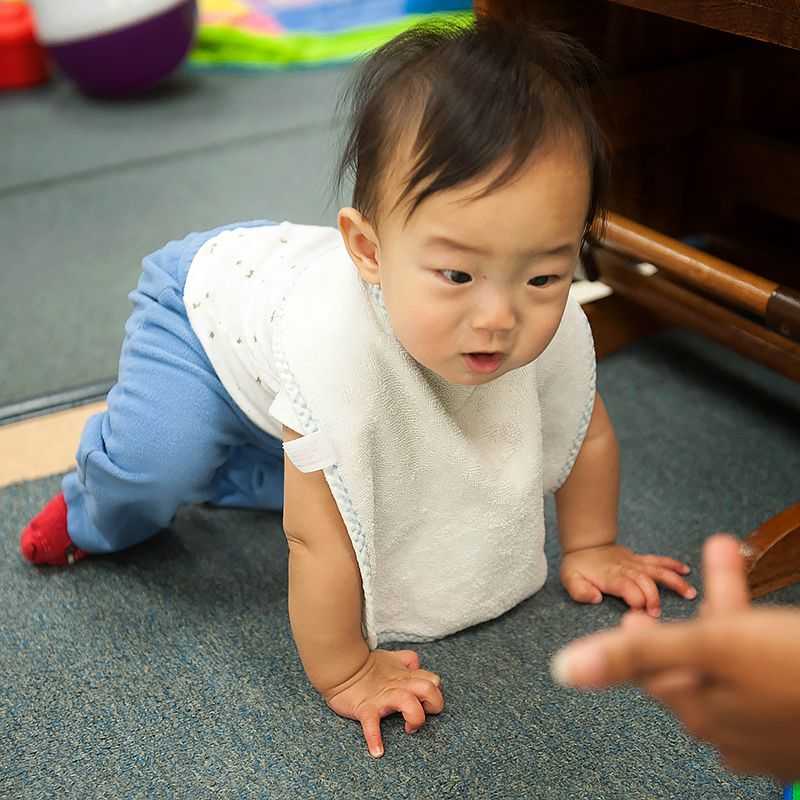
[(424, 343), (427, 341), (541, 333), (423, 328)]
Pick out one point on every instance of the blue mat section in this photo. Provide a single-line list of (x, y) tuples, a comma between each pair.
[(334, 15)]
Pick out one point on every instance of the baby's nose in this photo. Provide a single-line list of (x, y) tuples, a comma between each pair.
[(496, 314)]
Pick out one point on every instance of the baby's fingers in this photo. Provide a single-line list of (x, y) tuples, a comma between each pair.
[(667, 563), (666, 577), (628, 589), (581, 590), (427, 676), (408, 705), (393, 700), (371, 727), (429, 694), (649, 590), (408, 658)]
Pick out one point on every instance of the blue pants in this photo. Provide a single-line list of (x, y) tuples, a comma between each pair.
[(171, 434)]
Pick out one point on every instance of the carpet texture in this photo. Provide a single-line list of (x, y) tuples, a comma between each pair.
[(169, 670)]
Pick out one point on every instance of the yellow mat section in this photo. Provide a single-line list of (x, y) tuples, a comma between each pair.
[(42, 446)]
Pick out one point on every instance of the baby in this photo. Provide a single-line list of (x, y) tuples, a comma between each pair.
[(406, 388)]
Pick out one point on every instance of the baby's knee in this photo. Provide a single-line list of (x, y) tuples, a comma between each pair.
[(124, 509)]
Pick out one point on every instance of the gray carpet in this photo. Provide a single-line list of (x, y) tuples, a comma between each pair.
[(169, 670), (87, 188)]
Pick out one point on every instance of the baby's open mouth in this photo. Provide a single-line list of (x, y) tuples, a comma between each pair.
[(483, 362)]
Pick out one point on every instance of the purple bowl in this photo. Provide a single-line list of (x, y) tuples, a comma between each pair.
[(130, 59)]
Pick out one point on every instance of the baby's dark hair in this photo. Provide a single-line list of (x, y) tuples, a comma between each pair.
[(479, 95)]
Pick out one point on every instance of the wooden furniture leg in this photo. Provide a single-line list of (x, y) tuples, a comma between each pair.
[(772, 553)]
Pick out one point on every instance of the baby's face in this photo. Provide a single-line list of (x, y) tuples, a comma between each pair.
[(476, 288)]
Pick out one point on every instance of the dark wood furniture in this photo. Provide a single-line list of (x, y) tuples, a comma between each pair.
[(701, 106)]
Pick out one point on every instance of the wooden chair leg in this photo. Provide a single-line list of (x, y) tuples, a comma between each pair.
[(772, 553)]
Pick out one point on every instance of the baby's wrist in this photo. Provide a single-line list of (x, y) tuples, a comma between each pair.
[(348, 668), (579, 546)]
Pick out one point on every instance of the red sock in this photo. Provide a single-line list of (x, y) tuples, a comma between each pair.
[(46, 541)]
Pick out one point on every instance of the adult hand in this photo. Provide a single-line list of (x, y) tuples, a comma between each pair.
[(732, 676)]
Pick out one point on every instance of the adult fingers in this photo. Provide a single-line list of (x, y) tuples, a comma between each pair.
[(663, 685), (749, 760), (371, 727), (581, 590), (622, 655), (742, 761), (637, 619), (724, 576), (668, 686), (740, 748)]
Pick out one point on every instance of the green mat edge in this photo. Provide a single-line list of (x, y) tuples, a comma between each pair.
[(221, 45)]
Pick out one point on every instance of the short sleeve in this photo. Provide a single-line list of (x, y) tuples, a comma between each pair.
[(566, 384)]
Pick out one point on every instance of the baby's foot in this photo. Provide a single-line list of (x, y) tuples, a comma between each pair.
[(46, 541)]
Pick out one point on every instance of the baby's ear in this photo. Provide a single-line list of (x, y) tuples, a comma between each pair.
[(361, 242)]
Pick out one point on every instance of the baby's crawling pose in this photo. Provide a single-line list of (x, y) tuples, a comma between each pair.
[(406, 388)]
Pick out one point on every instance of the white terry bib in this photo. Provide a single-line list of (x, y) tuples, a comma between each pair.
[(440, 486)]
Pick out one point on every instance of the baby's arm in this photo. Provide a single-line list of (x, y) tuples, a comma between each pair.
[(587, 502), (325, 614), (592, 564), (324, 580)]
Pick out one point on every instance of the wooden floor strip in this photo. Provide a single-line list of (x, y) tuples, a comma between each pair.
[(42, 446)]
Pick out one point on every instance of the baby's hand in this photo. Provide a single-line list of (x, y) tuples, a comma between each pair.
[(590, 573), (390, 681)]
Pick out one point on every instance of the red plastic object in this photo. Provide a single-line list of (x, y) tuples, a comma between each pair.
[(22, 58)]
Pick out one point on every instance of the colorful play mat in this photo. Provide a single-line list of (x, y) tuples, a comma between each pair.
[(287, 34)]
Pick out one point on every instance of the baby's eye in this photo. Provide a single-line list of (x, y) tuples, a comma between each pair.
[(456, 276), (542, 280)]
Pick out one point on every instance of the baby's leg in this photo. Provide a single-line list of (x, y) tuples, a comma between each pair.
[(252, 477), (169, 426)]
